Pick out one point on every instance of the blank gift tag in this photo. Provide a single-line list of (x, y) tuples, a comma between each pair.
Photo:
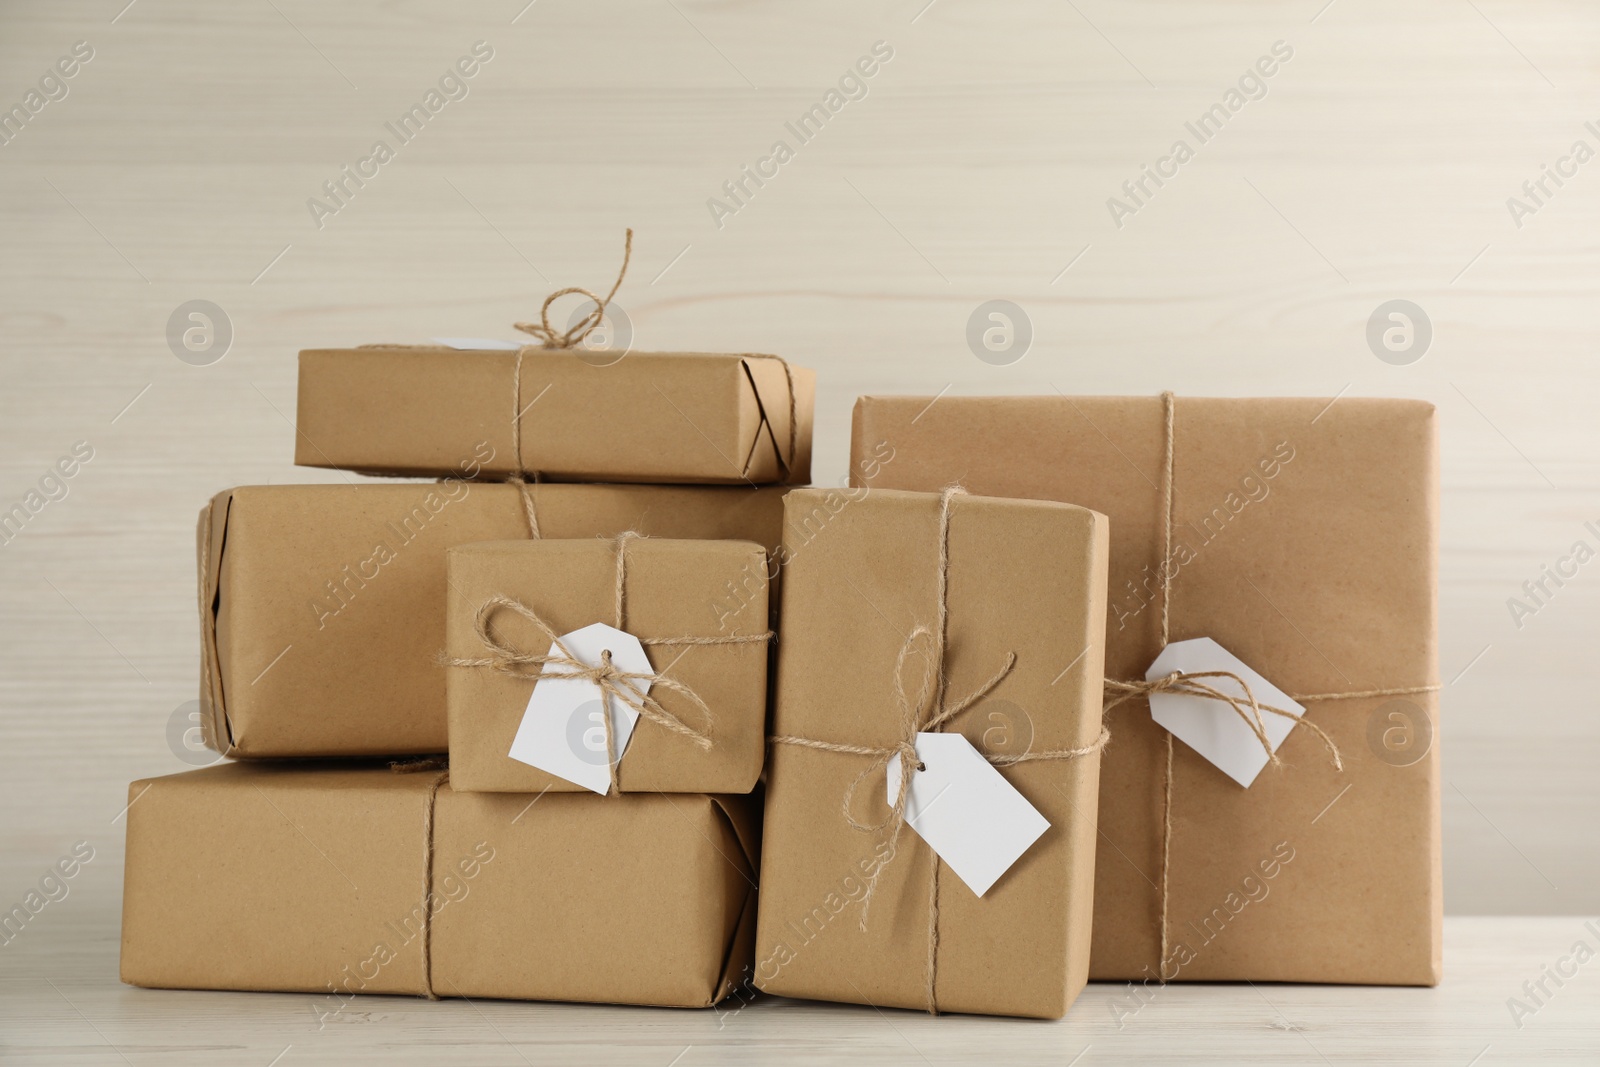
[(476, 344), (1211, 727), (966, 810), (563, 731)]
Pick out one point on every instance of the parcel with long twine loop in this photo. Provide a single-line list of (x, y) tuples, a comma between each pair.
[(548, 338), (551, 340), (614, 683), (1248, 708), (925, 712)]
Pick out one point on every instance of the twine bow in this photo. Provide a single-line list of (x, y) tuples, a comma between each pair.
[(926, 711), (613, 683), (1247, 707)]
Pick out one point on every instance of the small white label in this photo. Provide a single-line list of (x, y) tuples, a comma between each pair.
[(476, 344), (563, 730), (1211, 727), (966, 810)]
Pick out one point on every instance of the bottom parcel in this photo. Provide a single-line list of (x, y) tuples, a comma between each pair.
[(342, 879)]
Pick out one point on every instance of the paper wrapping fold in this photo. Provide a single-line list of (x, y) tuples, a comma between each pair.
[(319, 880), (674, 589), (1024, 578), (1320, 575), (322, 607), (649, 417)]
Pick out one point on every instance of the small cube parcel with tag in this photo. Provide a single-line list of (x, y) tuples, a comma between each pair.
[(1284, 545), (531, 625)]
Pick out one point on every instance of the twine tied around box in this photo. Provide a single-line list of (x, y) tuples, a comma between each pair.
[(613, 682), (441, 766), (1188, 684), (928, 710), (550, 340)]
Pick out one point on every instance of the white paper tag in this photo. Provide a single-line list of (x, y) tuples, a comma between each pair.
[(562, 731), (476, 344), (1211, 727), (966, 810)]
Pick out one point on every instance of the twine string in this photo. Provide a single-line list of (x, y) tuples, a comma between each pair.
[(549, 339), (794, 414), (1169, 418), (922, 706), (425, 934), (530, 510), (546, 334)]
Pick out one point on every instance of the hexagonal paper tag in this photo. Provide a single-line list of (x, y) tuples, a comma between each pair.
[(562, 730), (1211, 727)]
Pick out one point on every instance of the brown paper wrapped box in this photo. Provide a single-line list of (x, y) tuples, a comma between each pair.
[(338, 879), (1024, 579), (674, 593), (1304, 541), (322, 607), (648, 417)]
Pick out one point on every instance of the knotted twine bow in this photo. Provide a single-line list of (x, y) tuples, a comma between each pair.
[(613, 682), (927, 711), (546, 334), (1249, 708)]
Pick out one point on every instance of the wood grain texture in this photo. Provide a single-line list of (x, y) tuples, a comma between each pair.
[(978, 165), (82, 1015)]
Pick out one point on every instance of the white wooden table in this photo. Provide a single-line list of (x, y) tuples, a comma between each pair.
[(61, 1003), (978, 167)]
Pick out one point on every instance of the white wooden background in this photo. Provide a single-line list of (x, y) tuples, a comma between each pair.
[(1377, 166)]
